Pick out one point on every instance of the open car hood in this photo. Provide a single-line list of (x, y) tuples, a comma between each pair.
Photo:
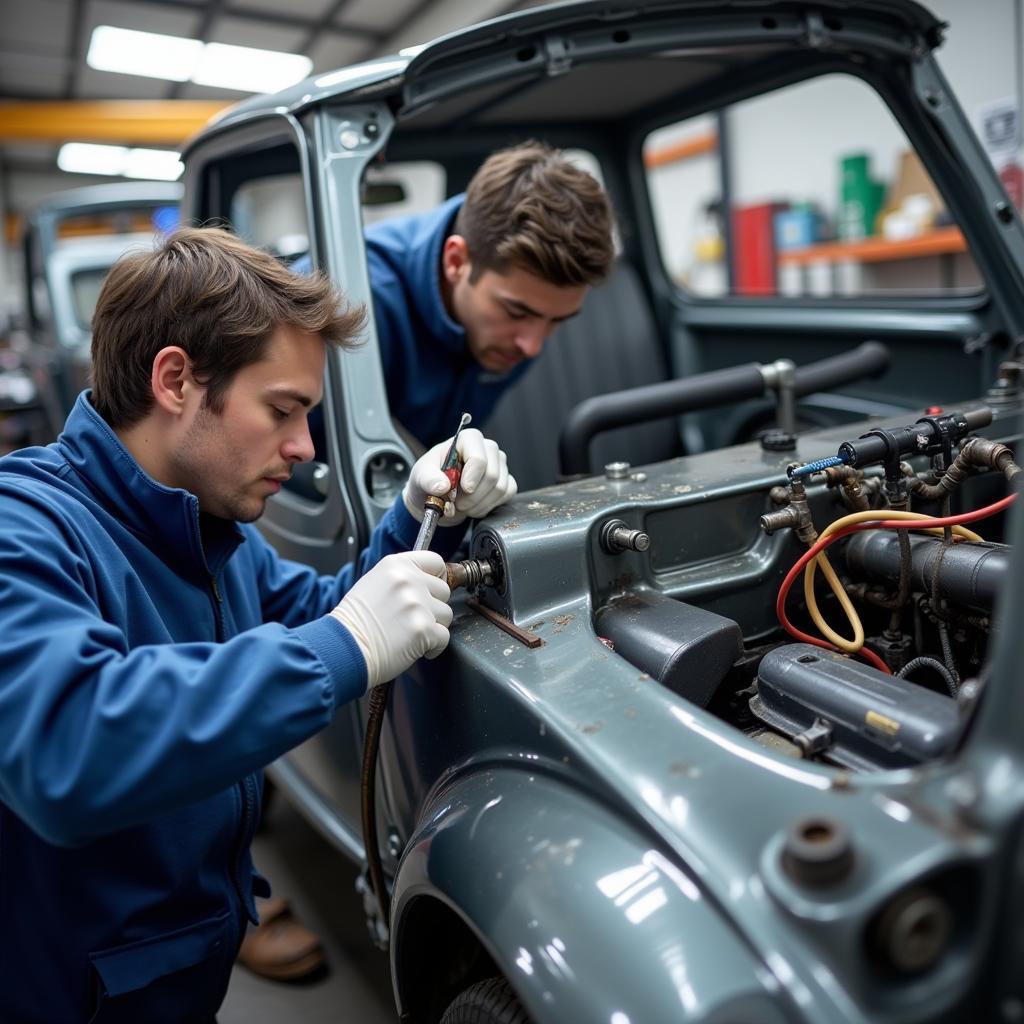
[(548, 41)]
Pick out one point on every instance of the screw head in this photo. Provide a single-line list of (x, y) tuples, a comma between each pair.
[(617, 470)]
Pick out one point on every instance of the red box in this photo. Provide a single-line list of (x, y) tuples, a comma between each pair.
[(753, 249)]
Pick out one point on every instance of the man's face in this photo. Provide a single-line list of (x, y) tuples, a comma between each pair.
[(508, 317), (234, 460)]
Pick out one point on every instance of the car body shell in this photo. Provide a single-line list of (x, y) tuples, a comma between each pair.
[(552, 813)]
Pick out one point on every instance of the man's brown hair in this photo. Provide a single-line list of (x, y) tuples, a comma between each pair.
[(216, 297), (530, 207)]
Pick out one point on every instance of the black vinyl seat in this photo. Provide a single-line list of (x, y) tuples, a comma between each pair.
[(612, 344)]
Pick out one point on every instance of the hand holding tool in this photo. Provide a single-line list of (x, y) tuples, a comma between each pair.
[(433, 505), (398, 612)]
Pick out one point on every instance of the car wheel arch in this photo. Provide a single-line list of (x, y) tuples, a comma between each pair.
[(465, 879)]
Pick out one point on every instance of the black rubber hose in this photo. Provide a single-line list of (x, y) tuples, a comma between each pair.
[(871, 359), (967, 574), (378, 705), (936, 666), (701, 391), (651, 402)]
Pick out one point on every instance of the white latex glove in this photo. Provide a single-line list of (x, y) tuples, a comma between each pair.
[(485, 483), (398, 613)]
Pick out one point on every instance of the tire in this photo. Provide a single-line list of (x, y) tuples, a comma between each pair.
[(490, 1001)]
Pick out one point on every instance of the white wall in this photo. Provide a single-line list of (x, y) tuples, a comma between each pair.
[(982, 53)]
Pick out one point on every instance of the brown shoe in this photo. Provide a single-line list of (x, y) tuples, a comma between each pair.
[(279, 947)]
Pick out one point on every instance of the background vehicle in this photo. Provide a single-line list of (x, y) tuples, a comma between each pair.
[(70, 242), (665, 810)]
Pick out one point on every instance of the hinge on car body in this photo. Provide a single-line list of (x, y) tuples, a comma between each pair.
[(558, 60)]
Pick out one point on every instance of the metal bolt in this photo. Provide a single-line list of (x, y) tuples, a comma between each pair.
[(616, 537), (394, 844), (349, 138), (818, 852), (617, 470)]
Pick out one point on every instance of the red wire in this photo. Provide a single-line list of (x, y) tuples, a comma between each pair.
[(879, 524)]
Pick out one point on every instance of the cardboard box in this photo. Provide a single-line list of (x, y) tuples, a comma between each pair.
[(911, 179)]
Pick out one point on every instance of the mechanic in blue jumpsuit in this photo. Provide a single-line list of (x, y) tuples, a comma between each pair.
[(156, 653), (465, 295)]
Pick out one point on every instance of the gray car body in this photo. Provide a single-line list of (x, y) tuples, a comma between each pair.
[(608, 845)]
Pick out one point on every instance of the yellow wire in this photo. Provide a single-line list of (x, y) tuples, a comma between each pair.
[(854, 645)]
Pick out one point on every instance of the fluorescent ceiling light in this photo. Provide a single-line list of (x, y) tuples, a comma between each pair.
[(153, 164), (86, 158), (143, 53), (119, 161), (181, 60), (248, 69)]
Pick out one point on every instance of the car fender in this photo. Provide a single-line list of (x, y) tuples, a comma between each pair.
[(588, 917)]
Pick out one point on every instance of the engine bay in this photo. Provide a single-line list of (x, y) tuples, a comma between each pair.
[(843, 616)]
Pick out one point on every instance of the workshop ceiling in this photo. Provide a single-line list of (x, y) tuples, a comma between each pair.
[(43, 43)]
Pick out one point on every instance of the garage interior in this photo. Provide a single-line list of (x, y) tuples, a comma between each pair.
[(69, 120)]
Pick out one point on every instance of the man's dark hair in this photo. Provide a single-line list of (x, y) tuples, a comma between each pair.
[(216, 297), (530, 207)]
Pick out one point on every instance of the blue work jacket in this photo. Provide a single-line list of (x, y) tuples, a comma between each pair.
[(428, 368), (151, 662), (429, 373)]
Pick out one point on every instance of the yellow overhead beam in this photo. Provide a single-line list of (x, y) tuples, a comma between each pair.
[(128, 122)]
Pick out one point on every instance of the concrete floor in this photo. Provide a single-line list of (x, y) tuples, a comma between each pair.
[(318, 882)]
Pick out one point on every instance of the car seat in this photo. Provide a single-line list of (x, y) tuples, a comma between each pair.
[(612, 344)]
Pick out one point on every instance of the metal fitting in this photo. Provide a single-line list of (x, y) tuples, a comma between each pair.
[(980, 451), (469, 574), (780, 377), (1006, 389), (781, 519), (617, 537), (848, 480), (818, 852), (795, 516), (617, 471)]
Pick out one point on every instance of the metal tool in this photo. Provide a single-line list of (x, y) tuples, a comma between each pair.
[(433, 507), (378, 705)]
